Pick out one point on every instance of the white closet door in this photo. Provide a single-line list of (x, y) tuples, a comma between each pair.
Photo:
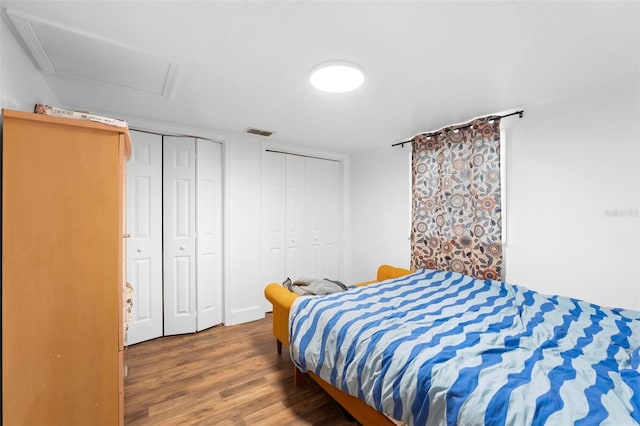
[(301, 213), (330, 232), (296, 219), (144, 247), (314, 206), (322, 204), (179, 207), (273, 219), (209, 239)]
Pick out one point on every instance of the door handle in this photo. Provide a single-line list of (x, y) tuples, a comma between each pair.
[(181, 247), (139, 250)]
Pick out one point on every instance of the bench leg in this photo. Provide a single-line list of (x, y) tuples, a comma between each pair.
[(298, 376)]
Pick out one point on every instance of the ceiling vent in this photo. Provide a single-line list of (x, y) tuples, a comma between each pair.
[(68, 52), (260, 132)]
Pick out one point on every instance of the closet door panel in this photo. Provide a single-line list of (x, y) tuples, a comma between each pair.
[(179, 207), (322, 202), (331, 227), (296, 219), (314, 207), (273, 220), (144, 246), (209, 238)]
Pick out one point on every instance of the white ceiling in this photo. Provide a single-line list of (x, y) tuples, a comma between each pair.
[(428, 64)]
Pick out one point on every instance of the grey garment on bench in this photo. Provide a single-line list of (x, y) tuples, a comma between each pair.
[(314, 286)]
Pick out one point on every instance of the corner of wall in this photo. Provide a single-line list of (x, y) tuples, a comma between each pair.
[(22, 84)]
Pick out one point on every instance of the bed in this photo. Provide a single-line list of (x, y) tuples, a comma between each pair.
[(436, 347)]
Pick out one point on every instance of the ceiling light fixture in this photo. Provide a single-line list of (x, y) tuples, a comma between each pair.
[(337, 76)]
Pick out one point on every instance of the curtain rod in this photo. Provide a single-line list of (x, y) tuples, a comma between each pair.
[(437, 132)]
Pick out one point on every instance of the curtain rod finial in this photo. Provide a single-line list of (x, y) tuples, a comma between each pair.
[(520, 113)]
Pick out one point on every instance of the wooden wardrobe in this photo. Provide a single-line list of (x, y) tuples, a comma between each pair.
[(62, 270)]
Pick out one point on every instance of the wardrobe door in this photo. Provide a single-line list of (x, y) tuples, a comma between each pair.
[(179, 223), (144, 226), (209, 238)]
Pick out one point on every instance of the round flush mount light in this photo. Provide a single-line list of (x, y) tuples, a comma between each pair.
[(337, 76)]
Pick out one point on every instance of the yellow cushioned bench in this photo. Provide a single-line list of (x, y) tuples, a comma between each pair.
[(282, 299)]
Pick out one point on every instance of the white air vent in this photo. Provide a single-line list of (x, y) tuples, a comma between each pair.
[(259, 132), (65, 51)]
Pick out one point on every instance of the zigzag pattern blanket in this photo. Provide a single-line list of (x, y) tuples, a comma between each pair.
[(439, 347)]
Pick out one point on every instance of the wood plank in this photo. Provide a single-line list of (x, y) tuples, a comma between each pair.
[(223, 375)]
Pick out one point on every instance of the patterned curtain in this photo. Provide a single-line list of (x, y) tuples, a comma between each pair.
[(456, 215)]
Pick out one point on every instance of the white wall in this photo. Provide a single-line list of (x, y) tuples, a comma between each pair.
[(21, 83), (571, 163), (243, 288), (380, 210)]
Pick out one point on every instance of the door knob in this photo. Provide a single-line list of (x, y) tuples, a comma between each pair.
[(139, 250), (181, 247)]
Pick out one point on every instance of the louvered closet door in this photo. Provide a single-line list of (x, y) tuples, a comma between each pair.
[(144, 246), (209, 238), (179, 208)]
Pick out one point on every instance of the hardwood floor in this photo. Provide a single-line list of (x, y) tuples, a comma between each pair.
[(221, 376)]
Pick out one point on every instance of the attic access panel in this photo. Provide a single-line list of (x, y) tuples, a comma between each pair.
[(68, 52)]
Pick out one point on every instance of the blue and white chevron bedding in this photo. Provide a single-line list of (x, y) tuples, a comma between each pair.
[(439, 347)]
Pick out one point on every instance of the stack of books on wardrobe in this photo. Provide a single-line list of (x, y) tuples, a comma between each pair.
[(60, 112)]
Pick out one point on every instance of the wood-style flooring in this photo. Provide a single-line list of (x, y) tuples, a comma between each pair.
[(221, 376)]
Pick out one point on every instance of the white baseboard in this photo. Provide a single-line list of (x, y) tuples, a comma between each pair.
[(240, 316)]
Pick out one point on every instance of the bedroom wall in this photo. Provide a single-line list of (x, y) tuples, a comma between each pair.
[(380, 206), (244, 290), (21, 83), (572, 198)]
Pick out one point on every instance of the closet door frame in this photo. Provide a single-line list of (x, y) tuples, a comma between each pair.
[(344, 244)]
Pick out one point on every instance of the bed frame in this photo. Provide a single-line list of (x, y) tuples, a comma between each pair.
[(363, 413)]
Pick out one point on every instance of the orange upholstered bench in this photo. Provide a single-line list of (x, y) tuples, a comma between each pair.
[(282, 299)]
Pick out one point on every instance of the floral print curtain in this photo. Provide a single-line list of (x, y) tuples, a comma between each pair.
[(456, 210)]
